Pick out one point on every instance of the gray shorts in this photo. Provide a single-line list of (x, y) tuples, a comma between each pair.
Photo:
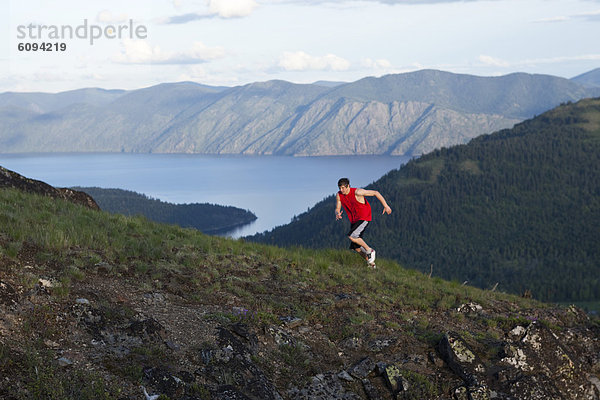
[(357, 229)]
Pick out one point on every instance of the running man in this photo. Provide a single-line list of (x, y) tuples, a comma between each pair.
[(359, 213)]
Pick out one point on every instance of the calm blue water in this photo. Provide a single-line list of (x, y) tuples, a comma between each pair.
[(274, 188)]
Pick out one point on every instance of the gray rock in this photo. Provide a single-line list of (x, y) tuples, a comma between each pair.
[(353, 343), (326, 386), (232, 365), (228, 392), (164, 381), (64, 362), (461, 359), (345, 376), (394, 379), (379, 345), (291, 322), (469, 308), (370, 390), (362, 369), (280, 336)]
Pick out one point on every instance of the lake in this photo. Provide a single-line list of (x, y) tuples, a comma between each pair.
[(275, 188)]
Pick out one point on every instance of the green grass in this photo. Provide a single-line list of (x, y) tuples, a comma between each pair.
[(254, 284), (44, 379), (202, 267)]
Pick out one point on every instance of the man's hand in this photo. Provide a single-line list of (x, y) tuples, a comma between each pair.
[(386, 210), (338, 215)]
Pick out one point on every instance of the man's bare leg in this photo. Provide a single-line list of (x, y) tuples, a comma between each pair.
[(361, 242), (364, 255)]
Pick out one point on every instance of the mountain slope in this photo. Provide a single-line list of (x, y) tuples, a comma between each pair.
[(403, 114), (93, 305), (520, 208), (47, 102), (235, 121), (125, 124), (516, 95), (590, 78)]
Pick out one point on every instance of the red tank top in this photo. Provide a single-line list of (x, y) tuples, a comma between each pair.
[(356, 211)]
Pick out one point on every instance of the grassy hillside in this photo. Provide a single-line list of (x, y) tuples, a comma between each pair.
[(76, 240), (95, 304), (520, 208), (208, 218)]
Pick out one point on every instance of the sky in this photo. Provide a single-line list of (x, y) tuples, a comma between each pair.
[(131, 44)]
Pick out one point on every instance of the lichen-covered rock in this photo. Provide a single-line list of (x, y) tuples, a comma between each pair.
[(326, 386), (515, 358), (540, 350), (461, 359), (469, 308), (233, 366), (394, 379)]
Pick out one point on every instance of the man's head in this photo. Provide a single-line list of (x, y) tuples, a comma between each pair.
[(344, 185)]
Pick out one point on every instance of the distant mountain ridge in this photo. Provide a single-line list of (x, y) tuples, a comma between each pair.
[(590, 78), (401, 114), (49, 102)]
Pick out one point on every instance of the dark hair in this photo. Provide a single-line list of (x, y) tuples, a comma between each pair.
[(344, 182)]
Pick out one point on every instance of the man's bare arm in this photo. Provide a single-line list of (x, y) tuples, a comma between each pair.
[(338, 207), (365, 192)]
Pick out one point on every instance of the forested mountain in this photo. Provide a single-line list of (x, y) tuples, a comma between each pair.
[(208, 218), (400, 114), (520, 207)]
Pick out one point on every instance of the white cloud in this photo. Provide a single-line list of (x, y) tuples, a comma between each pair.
[(553, 19), (557, 60), (108, 17), (533, 62), (232, 8), (140, 52), (216, 9), (381, 63), (193, 73), (301, 61), (491, 61), (592, 16)]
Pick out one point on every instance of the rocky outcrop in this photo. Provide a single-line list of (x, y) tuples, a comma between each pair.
[(532, 362), (178, 350), (11, 179)]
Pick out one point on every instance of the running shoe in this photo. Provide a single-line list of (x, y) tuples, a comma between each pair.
[(372, 257)]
